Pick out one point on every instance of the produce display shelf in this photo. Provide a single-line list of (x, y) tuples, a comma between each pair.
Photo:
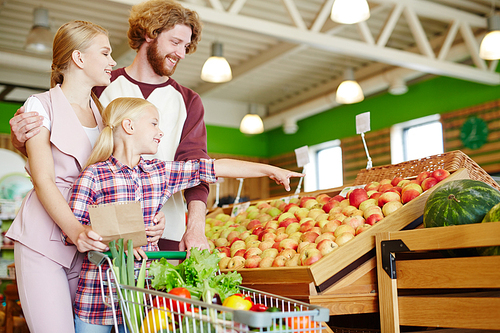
[(345, 281), (437, 291)]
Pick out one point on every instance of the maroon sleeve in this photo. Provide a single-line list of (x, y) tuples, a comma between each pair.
[(193, 143), (98, 90)]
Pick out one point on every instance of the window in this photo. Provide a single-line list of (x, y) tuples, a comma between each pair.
[(416, 139), (325, 167)]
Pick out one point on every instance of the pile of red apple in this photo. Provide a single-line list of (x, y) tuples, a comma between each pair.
[(276, 234)]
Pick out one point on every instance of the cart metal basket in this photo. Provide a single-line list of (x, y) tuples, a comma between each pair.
[(146, 310)]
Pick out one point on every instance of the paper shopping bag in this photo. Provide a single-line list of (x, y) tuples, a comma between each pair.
[(119, 220)]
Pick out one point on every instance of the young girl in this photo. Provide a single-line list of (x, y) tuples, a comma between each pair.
[(47, 270), (116, 172)]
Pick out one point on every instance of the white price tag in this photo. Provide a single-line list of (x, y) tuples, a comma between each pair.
[(302, 155), (363, 123), (239, 208), (287, 199), (349, 188)]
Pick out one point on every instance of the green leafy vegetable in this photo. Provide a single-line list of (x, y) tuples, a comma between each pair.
[(197, 274)]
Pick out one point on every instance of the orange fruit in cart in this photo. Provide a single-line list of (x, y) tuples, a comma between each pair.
[(301, 324)]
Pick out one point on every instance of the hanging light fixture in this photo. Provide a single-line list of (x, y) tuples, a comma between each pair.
[(216, 69), (398, 87), (40, 38), (490, 45), (251, 122), (350, 11), (349, 91)]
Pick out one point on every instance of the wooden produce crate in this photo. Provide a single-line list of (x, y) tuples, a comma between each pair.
[(345, 280), (419, 287)]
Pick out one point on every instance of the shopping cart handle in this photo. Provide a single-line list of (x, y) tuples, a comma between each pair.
[(161, 254)]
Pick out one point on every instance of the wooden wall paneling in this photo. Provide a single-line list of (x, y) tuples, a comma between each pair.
[(285, 161), (7, 144), (253, 188), (354, 155), (487, 156)]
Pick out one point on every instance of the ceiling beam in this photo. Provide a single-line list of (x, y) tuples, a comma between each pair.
[(426, 62), (437, 11), (356, 48), (326, 101), (281, 50)]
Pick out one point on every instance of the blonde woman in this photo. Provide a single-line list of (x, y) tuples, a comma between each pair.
[(47, 270), (118, 173)]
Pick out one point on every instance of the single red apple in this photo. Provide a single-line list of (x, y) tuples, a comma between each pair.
[(374, 218), (428, 182), (385, 187), (288, 206), (357, 196), (329, 205), (304, 199), (338, 197), (397, 189), (409, 195), (395, 181), (421, 176), (375, 195), (440, 174), (286, 222)]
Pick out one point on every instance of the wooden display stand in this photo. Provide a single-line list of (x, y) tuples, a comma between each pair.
[(345, 280), (432, 291)]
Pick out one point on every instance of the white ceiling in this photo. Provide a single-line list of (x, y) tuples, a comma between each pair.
[(287, 56)]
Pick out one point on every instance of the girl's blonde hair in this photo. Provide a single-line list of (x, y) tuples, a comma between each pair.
[(118, 110), (71, 36)]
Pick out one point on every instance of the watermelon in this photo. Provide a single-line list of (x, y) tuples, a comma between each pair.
[(462, 201), (493, 215)]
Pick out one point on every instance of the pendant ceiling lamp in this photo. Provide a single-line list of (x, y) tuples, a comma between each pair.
[(40, 38), (349, 91), (398, 87), (350, 11), (216, 69), (490, 45), (251, 122)]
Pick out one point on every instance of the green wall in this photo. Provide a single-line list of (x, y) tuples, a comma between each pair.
[(7, 110), (436, 95), (224, 140)]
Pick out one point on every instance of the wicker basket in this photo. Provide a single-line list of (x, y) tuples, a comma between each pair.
[(451, 161)]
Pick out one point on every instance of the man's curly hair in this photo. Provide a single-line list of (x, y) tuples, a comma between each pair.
[(152, 17)]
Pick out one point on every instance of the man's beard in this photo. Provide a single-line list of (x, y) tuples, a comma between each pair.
[(157, 61)]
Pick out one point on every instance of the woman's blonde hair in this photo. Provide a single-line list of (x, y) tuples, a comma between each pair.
[(71, 36), (150, 18), (118, 110)]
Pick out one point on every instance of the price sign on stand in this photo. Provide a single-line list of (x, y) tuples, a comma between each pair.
[(302, 155), (362, 126), (239, 208), (287, 199)]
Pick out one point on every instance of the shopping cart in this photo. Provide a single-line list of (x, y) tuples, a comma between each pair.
[(149, 311)]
